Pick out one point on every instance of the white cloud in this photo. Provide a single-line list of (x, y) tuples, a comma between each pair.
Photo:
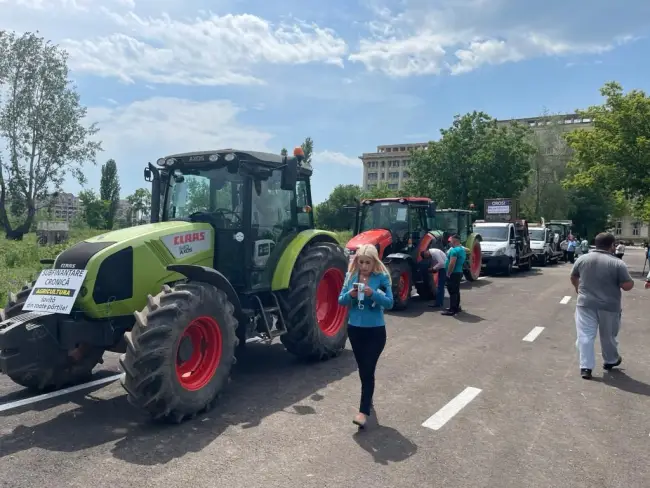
[(322, 158), (208, 50), (146, 130), (458, 36)]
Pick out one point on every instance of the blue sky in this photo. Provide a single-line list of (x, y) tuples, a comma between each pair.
[(165, 76)]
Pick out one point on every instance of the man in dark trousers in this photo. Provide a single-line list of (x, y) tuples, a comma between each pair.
[(454, 267), (598, 278)]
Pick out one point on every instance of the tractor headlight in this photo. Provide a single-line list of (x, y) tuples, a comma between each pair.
[(161, 162), (170, 161), (213, 158), (230, 157)]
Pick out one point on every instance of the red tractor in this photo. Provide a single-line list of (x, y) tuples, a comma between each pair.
[(400, 229)]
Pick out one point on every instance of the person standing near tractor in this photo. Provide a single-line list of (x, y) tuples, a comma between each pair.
[(433, 261), (454, 267), (571, 249), (367, 291), (620, 250)]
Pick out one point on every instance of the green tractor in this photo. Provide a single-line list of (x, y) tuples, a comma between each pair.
[(230, 255)]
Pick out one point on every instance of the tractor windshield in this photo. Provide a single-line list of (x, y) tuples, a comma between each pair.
[(384, 215), (215, 191)]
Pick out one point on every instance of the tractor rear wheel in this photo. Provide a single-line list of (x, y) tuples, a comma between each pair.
[(180, 351), (402, 282), (316, 323), (473, 271), (72, 367)]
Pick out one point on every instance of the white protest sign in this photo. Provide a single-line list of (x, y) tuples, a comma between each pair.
[(55, 291)]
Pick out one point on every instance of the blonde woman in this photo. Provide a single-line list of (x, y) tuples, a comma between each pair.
[(367, 291)]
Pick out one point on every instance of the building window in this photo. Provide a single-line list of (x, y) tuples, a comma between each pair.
[(393, 175), (372, 176), (406, 174), (383, 176), (636, 228), (393, 186), (619, 228)]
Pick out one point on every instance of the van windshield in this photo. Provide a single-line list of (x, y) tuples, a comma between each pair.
[(492, 234), (536, 234)]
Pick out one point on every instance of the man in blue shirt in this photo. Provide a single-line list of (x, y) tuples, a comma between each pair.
[(571, 249), (454, 266)]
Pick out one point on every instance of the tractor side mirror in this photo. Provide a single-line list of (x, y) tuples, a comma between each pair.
[(289, 175), (147, 174)]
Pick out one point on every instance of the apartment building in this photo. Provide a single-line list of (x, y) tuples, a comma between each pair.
[(389, 164), (65, 207)]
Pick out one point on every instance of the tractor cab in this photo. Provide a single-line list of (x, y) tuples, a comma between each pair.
[(255, 203), (393, 225), (453, 221)]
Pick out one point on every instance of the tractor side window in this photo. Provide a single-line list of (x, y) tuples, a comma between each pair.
[(463, 226), (302, 201), (271, 208)]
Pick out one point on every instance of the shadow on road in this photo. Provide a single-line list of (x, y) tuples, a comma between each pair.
[(268, 380), (617, 378), (385, 444), (468, 318)]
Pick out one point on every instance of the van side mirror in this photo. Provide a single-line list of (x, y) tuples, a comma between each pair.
[(289, 175)]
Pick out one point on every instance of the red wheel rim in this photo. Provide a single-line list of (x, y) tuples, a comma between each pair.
[(204, 335), (404, 286), (329, 314), (476, 259)]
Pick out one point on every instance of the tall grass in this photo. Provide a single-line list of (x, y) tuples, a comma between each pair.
[(20, 260)]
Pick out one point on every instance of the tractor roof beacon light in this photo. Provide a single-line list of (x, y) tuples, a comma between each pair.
[(299, 154)]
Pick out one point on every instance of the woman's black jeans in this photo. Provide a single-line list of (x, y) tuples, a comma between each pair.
[(367, 345)]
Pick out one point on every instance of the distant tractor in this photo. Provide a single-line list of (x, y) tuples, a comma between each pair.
[(400, 229), (231, 253)]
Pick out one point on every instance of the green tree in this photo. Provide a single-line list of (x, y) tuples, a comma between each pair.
[(40, 125), (381, 190), (198, 195), (614, 156), (308, 149), (139, 205), (109, 191), (473, 160), (332, 214), (95, 209)]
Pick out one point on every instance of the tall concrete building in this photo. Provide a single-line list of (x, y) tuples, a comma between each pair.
[(66, 207), (388, 165)]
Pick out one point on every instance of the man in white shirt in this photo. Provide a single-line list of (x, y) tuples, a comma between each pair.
[(433, 261), (620, 250)]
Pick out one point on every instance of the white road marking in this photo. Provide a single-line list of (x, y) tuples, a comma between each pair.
[(442, 416), (532, 335), (565, 300), (481, 278), (65, 391)]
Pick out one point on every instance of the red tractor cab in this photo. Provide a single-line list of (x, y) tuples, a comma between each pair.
[(400, 230)]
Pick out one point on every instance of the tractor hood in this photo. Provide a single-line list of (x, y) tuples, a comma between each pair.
[(173, 235), (374, 237)]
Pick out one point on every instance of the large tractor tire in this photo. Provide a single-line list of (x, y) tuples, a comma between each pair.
[(402, 282), (71, 367), (316, 323), (473, 271), (180, 351)]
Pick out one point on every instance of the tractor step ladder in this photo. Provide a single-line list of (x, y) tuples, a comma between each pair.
[(272, 329)]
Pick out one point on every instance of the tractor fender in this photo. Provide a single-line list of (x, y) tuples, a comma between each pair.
[(400, 256), (286, 263), (195, 272)]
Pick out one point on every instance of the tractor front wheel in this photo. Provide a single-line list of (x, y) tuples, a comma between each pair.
[(180, 351), (70, 367), (316, 323), (402, 282)]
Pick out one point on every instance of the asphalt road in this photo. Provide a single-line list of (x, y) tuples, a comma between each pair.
[(525, 419)]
